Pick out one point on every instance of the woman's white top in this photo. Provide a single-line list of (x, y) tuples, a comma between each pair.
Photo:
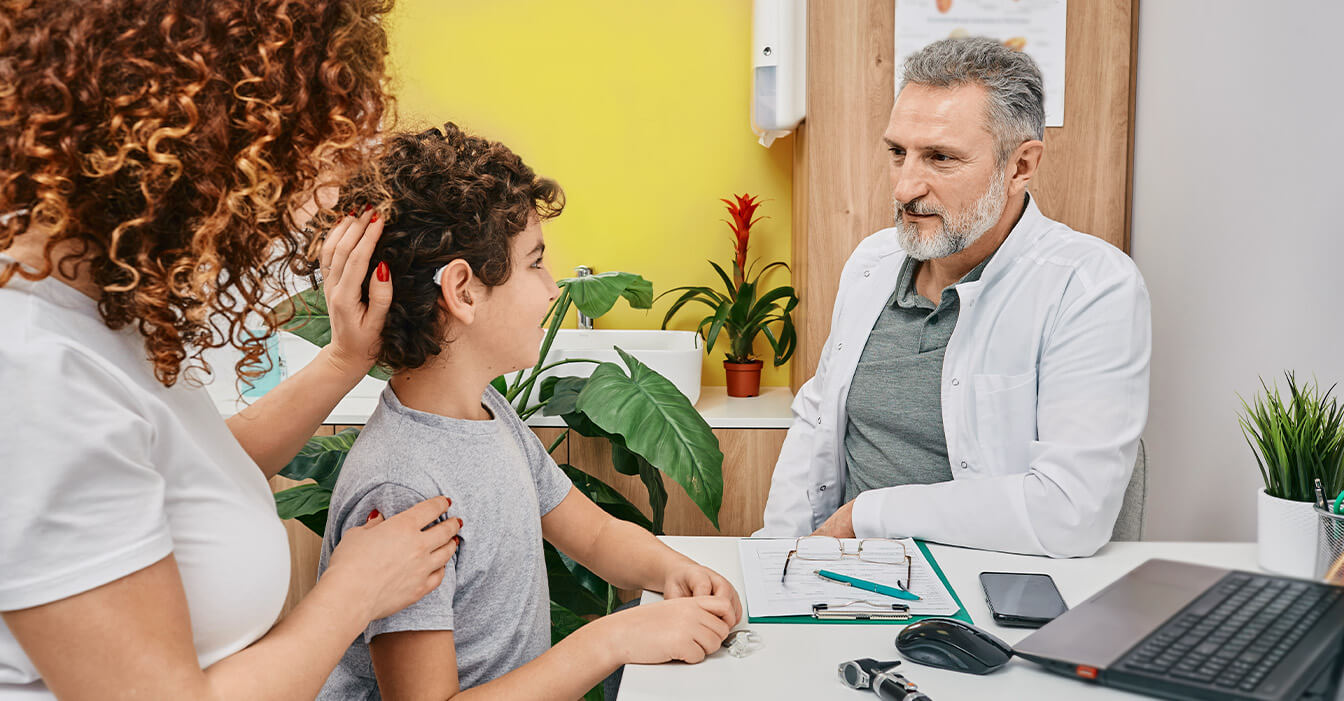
[(105, 471)]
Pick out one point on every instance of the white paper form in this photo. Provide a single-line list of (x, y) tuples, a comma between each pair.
[(763, 563)]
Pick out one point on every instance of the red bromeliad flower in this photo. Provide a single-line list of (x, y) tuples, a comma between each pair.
[(741, 211)]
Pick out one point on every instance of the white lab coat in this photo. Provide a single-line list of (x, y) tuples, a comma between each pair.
[(1044, 397)]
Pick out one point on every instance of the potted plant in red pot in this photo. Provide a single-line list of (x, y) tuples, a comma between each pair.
[(744, 308)]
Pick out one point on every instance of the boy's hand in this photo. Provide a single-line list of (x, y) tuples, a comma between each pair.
[(693, 579), (686, 629)]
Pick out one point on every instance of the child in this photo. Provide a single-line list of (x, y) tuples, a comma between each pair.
[(463, 247)]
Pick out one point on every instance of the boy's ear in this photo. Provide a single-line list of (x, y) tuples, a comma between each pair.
[(455, 286)]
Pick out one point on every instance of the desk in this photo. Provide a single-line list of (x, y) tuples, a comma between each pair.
[(799, 661)]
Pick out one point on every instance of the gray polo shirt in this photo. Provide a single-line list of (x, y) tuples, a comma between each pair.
[(894, 410), (494, 595)]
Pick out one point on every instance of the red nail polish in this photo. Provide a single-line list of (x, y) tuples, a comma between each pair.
[(373, 218), (383, 276), (459, 523), (367, 207), (352, 213), (450, 500), (374, 514)]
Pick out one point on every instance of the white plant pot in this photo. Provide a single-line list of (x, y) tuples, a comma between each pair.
[(1287, 535)]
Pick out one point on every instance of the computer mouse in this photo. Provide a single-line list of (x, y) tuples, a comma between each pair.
[(951, 644)]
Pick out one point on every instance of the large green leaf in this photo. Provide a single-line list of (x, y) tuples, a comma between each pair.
[(305, 315), (658, 423), (306, 502), (605, 497), (561, 395), (321, 458), (595, 295)]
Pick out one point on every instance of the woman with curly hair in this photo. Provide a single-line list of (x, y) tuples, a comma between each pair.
[(158, 161), (464, 246)]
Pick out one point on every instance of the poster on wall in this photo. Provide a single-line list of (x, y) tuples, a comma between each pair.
[(1035, 27)]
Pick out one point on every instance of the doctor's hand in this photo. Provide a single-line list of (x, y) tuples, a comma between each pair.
[(693, 579), (840, 524)]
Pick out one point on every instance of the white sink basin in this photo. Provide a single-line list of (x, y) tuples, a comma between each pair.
[(675, 355)]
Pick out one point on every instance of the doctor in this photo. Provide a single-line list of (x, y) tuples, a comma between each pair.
[(985, 382)]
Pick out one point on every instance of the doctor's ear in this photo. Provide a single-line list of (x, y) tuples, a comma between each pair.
[(1022, 165), (456, 282)]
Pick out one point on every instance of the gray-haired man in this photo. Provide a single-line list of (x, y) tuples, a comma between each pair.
[(985, 381)]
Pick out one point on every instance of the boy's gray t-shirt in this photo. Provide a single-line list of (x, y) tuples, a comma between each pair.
[(494, 595)]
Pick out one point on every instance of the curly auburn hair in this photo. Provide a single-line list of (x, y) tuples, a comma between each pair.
[(170, 144), (451, 196)]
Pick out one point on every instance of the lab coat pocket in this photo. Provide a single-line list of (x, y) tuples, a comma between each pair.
[(1005, 417)]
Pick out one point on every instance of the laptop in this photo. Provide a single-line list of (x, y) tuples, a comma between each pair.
[(1183, 631)]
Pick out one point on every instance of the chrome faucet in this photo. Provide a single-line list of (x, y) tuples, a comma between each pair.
[(585, 322)]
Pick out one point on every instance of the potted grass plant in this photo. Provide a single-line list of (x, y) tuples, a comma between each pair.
[(1296, 439), (744, 308)]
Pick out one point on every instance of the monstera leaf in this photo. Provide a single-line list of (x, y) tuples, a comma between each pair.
[(658, 423), (595, 295), (321, 458), (305, 315), (308, 503)]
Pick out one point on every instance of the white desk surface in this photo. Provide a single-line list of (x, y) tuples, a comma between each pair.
[(799, 661)]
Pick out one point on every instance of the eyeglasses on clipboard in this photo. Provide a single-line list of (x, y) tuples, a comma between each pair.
[(882, 551)]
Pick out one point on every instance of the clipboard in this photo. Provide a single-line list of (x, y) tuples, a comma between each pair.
[(960, 615)]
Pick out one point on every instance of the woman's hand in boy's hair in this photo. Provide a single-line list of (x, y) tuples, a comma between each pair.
[(684, 629), (390, 563), (356, 326), (694, 579)]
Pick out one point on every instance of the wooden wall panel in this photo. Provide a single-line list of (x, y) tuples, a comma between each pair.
[(840, 187), (840, 178), (1085, 174)]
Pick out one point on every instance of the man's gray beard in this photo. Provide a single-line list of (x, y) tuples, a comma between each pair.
[(956, 233)]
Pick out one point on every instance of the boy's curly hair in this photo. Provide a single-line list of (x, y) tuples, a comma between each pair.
[(452, 196), (170, 144)]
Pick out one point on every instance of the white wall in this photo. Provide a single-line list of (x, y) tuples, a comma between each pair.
[(1239, 150)]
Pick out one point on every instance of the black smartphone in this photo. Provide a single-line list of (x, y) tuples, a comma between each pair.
[(1022, 600)]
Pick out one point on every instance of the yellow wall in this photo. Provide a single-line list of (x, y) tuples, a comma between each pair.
[(640, 109)]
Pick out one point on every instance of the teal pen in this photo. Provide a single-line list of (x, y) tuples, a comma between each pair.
[(866, 585)]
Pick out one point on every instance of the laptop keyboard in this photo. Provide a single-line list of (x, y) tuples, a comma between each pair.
[(1233, 635)]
